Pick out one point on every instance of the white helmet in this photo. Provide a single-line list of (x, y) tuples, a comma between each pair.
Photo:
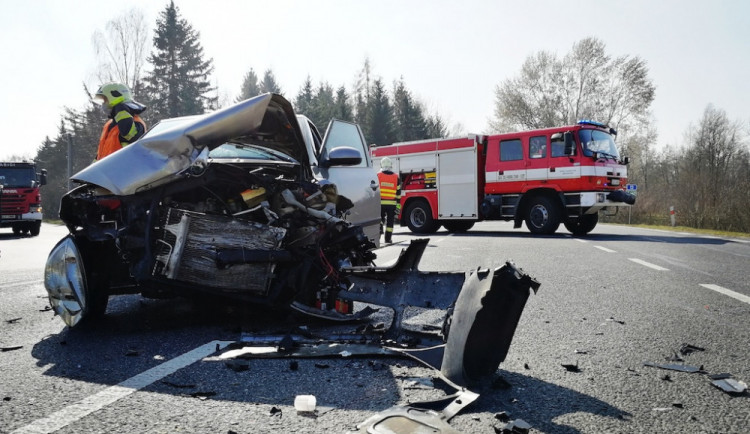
[(386, 163)]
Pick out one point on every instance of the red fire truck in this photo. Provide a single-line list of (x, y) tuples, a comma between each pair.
[(20, 201), (543, 177)]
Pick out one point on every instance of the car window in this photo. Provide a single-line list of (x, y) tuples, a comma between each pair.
[(248, 152), (557, 147), (341, 133), (511, 150), (538, 147)]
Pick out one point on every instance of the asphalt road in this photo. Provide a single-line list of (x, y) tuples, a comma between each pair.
[(608, 303)]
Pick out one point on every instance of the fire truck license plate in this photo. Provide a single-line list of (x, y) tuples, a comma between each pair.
[(9, 217)]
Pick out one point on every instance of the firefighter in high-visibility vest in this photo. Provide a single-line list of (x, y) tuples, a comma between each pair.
[(124, 126), (390, 197)]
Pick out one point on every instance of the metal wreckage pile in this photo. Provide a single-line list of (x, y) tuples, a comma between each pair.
[(482, 310)]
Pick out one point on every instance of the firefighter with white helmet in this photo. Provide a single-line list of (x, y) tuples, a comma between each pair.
[(390, 197), (124, 126)]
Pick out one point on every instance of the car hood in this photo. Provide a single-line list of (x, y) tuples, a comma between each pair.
[(175, 144)]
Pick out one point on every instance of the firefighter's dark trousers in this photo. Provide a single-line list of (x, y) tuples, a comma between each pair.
[(387, 215)]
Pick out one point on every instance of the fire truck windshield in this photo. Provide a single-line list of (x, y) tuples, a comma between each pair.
[(598, 142), (17, 177)]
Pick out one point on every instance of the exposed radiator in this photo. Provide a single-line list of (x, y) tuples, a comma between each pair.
[(189, 242)]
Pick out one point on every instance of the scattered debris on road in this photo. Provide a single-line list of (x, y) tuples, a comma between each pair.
[(731, 386), (571, 368), (518, 426), (6, 349), (13, 321), (305, 403), (675, 367), (686, 349)]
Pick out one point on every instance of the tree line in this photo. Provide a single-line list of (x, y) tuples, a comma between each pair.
[(706, 178), (174, 79)]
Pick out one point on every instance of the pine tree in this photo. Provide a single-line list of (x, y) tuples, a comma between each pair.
[(304, 100), (179, 83), (409, 119), (269, 83), (343, 110), (250, 86), (323, 105), (380, 116)]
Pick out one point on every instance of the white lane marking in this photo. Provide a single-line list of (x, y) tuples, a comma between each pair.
[(737, 240), (605, 249), (580, 240), (90, 404), (729, 292), (28, 282), (648, 264)]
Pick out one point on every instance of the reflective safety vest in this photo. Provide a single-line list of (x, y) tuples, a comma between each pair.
[(390, 190), (109, 142)]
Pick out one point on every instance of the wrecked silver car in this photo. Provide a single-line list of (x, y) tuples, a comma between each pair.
[(238, 203), (252, 203)]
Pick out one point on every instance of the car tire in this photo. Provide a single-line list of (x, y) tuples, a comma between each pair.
[(36, 228), (419, 218), (542, 216), (458, 226), (583, 224), (97, 282)]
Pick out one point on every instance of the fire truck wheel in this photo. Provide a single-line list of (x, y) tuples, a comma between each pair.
[(419, 218), (17, 230), (583, 224), (543, 216), (36, 228), (458, 225)]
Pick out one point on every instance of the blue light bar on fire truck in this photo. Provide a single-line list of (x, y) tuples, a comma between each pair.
[(590, 122)]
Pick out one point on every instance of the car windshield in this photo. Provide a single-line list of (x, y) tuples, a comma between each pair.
[(248, 152), (595, 141), (17, 177)]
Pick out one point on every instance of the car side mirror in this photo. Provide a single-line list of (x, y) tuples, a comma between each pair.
[(342, 156), (625, 161)]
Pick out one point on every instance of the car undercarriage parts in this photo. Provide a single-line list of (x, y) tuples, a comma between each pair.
[(192, 243)]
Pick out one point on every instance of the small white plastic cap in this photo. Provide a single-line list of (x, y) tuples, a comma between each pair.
[(305, 403)]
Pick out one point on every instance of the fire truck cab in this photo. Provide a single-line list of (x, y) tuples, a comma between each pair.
[(20, 200), (543, 177)]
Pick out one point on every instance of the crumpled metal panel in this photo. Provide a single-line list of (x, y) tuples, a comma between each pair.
[(484, 321), (158, 158), (419, 417)]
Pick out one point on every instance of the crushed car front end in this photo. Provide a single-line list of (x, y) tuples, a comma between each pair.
[(228, 211)]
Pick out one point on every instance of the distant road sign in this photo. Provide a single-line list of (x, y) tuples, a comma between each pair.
[(631, 187)]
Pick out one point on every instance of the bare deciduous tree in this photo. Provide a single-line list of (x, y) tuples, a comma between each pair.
[(121, 49), (585, 83)]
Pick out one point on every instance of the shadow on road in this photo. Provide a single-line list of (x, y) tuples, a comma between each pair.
[(138, 334), (673, 239)]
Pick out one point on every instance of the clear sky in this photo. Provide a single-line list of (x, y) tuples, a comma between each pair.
[(451, 53)]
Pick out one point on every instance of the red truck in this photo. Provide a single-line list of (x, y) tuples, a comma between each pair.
[(20, 200), (543, 177)]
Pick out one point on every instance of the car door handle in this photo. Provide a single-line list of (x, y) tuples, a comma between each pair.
[(373, 185)]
